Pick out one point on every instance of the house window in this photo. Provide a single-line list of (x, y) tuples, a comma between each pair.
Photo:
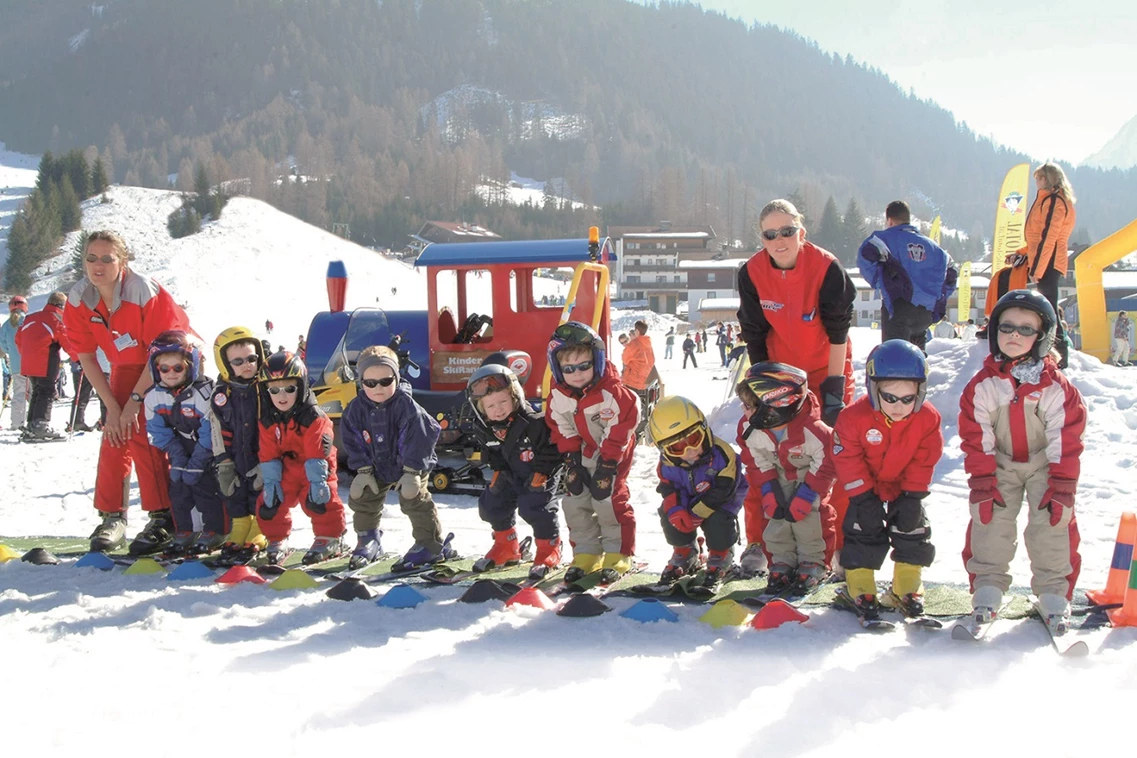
[(876, 315), (661, 279), (634, 279), (865, 294), (711, 276), (639, 296), (677, 278)]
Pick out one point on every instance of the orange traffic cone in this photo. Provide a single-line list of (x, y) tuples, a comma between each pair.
[(1126, 615), (1114, 591)]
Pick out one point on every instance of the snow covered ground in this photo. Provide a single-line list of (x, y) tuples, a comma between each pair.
[(299, 674), (17, 178)]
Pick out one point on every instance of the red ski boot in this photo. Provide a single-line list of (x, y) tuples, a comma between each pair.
[(548, 553), (505, 551)]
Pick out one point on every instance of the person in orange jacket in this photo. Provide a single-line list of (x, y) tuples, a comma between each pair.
[(639, 359), (39, 341)]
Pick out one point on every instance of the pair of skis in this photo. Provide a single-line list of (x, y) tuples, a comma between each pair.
[(974, 629), (845, 601)]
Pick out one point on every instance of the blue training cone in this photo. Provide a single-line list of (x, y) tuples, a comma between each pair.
[(189, 571), (101, 561), (650, 609), (401, 596)]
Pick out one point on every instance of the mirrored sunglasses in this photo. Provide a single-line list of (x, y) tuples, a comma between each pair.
[(371, 384), (238, 362), (289, 390), (1025, 331), (890, 398), (679, 446), (572, 368), (786, 231), (178, 369)]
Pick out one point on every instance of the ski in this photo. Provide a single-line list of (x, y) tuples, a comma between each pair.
[(973, 628), (1076, 649), (393, 575), (276, 569), (593, 583), (920, 620), (445, 575), (846, 602)]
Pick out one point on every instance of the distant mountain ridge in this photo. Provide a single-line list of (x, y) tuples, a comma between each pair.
[(1121, 150)]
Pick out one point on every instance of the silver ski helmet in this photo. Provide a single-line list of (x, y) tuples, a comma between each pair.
[(1032, 301)]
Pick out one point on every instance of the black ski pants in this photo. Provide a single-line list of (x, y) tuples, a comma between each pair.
[(906, 322), (1048, 288), (205, 496), (720, 529), (868, 535), (688, 354), (244, 500), (43, 391), (500, 509)]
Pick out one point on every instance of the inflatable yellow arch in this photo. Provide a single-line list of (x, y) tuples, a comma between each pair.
[(1088, 268)]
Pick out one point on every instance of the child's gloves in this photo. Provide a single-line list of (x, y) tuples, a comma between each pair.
[(832, 398), (410, 484), (497, 483), (802, 503), (178, 462), (191, 475), (1059, 496), (319, 493), (364, 480), (865, 509), (258, 480), (272, 473), (227, 478), (576, 475), (985, 494), (603, 479), (537, 483), (683, 520), (773, 501), (176, 475), (906, 512)]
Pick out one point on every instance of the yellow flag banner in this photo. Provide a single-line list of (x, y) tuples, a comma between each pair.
[(964, 285), (935, 233), (1010, 217)]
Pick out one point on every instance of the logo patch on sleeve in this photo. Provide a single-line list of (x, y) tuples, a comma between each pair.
[(702, 486)]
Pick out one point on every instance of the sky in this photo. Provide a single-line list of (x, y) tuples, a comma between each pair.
[(1051, 78)]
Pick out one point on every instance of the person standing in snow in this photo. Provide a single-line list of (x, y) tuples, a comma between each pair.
[(669, 343), (268, 326), (1047, 230), (1021, 424), (1120, 353), (912, 273), (39, 341), (689, 352), (121, 311), (944, 329), (18, 383), (885, 448)]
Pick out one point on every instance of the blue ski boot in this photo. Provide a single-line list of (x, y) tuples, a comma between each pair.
[(421, 555), (367, 549)]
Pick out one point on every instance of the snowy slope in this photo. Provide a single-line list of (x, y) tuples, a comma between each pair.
[(1120, 152), (17, 178), (316, 675)]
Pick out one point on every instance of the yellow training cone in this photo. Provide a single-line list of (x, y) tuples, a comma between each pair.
[(145, 566), (7, 554), (725, 613), (294, 579)]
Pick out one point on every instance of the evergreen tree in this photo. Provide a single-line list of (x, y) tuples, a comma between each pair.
[(98, 177), (828, 233), (70, 215), (798, 200), (853, 232), (75, 167), (46, 171)]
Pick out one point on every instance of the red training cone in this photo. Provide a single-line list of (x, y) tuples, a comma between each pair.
[(239, 574), (775, 613), (1114, 591), (532, 596)]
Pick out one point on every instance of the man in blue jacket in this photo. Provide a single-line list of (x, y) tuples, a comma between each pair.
[(17, 311), (913, 274)]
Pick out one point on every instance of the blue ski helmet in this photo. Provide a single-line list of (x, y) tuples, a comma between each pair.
[(896, 359), (1031, 301), (571, 334), (175, 341)]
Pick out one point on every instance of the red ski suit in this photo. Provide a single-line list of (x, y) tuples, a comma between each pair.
[(35, 337), (141, 310)]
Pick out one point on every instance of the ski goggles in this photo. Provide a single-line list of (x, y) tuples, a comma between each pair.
[(572, 368), (488, 385), (289, 390), (166, 369), (238, 362), (572, 334), (786, 231), (371, 384), (677, 447), (888, 397), (1025, 331)]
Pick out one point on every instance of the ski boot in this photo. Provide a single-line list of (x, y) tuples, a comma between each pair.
[(505, 551), (1055, 611), (719, 566), (154, 537), (583, 564), (548, 553), (753, 561), (867, 607), (324, 549), (367, 549), (908, 590), (277, 552), (110, 534), (782, 577), (180, 546), (809, 575), (985, 603), (615, 566), (207, 542), (421, 555), (40, 432), (685, 561)]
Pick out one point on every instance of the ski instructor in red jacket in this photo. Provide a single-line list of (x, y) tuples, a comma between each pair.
[(796, 307), (121, 311)]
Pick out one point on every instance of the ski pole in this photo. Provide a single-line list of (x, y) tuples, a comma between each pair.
[(75, 405)]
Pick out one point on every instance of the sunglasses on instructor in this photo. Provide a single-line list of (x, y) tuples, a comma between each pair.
[(786, 231)]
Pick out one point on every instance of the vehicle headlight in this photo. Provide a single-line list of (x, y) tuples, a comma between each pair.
[(334, 406)]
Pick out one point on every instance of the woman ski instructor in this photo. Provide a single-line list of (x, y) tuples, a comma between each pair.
[(796, 307), (121, 311)]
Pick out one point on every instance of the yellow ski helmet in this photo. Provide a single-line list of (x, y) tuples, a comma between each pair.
[(677, 425), (230, 336)]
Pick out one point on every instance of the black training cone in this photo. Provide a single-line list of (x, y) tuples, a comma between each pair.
[(37, 556), (484, 590), (583, 606), (351, 589)]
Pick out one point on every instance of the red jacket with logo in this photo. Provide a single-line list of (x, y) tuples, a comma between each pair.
[(794, 315), (142, 309), (303, 435), (873, 453), (38, 333), (604, 417)]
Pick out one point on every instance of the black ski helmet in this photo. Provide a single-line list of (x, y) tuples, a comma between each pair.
[(1028, 300), (780, 389)]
